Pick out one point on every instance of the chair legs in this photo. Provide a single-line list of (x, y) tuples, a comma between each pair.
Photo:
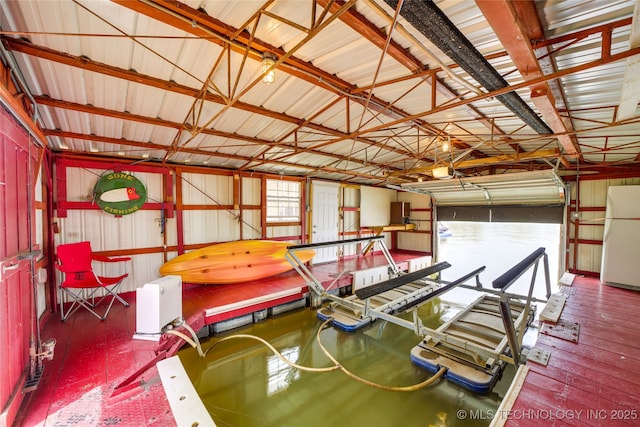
[(116, 296), (80, 300), (85, 297)]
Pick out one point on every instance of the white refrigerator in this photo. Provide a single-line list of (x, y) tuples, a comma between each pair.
[(621, 242)]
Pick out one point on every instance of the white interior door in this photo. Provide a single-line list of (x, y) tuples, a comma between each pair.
[(324, 219)]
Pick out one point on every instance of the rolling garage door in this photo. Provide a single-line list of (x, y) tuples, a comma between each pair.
[(538, 196)]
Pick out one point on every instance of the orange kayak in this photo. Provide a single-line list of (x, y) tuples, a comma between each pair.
[(233, 262)]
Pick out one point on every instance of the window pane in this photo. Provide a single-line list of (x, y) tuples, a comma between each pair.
[(283, 201)]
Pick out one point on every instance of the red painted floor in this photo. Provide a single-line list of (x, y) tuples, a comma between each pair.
[(91, 358), (100, 376), (596, 381), (93, 379)]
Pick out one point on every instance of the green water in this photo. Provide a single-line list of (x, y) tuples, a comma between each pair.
[(243, 384)]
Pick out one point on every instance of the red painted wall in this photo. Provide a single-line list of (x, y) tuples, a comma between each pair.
[(17, 230)]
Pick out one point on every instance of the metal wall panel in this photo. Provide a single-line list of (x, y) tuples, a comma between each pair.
[(589, 258), (375, 208), (170, 232), (204, 221), (107, 232), (251, 195), (39, 217), (591, 225), (420, 209), (284, 231), (586, 226), (592, 193), (586, 231), (251, 228), (351, 196), (420, 215), (207, 189), (415, 242), (251, 191), (210, 226)]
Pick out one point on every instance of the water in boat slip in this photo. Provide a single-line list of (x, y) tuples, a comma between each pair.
[(499, 246), (243, 384)]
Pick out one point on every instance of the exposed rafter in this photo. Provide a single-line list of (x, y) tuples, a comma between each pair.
[(516, 24), (487, 161), (87, 64), (361, 94), (183, 17), (377, 37), (90, 109), (153, 146), (427, 18)]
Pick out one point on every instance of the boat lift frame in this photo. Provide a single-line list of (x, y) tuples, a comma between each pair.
[(513, 338), (314, 284), (410, 302)]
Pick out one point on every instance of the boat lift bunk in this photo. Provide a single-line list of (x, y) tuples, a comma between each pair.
[(358, 310), (475, 345), (387, 298)]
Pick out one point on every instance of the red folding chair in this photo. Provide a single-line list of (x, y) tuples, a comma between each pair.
[(80, 282)]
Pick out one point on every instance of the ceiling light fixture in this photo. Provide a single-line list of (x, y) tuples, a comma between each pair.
[(268, 69), (442, 172)]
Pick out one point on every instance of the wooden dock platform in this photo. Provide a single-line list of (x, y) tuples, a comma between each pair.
[(593, 381)]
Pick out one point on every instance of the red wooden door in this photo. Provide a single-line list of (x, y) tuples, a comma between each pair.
[(16, 239)]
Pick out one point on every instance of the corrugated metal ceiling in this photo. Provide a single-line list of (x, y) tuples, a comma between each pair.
[(354, 97)]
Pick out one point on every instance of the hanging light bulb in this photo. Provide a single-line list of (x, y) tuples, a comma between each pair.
[(268, 69)]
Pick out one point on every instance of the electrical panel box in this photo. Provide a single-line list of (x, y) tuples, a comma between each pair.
[(158, 303), (400, 212)]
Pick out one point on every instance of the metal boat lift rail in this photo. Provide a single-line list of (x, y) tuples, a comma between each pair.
[(362, 307), (514, 330), (485, 356), (314, 284), (473, 346), (416, 323)]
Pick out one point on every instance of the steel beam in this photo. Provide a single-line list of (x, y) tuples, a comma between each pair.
[(515, 24)]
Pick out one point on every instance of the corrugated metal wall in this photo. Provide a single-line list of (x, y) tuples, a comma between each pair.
[(251, 218), (106, 232), (211, 206), (204, 225), (350, 207), (219, 206), (586, 222)]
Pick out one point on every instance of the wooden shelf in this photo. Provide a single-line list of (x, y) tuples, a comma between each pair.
[(378, 230)]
